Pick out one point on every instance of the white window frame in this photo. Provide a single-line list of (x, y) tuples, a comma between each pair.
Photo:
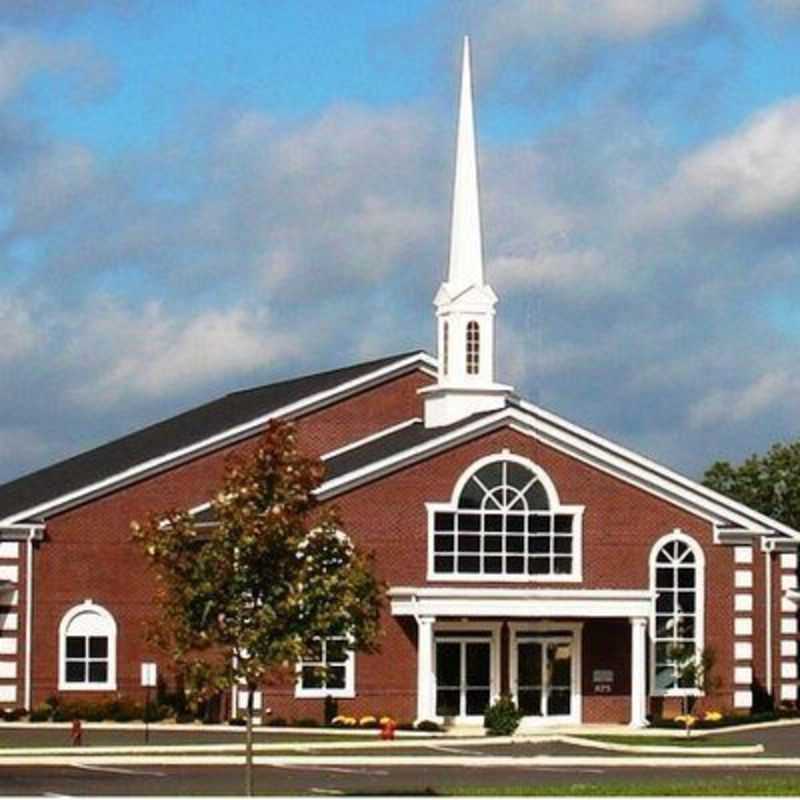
[(106, 626), (678, 535), (576, 576), (349, 688)]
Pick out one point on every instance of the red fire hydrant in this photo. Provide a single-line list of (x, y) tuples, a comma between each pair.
[(387, 730), (77, 733)]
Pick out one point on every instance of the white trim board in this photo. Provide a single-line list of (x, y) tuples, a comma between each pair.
[(588, 448), (307, 404), (524, 603)]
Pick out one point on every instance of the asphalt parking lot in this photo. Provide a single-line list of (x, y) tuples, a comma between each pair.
[(79, 777)]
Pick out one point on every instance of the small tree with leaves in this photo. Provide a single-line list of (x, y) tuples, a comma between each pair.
[(695, 670), (244, 599)]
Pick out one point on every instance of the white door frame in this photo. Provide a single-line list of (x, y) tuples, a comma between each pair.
[(467, 628), (517, 630)]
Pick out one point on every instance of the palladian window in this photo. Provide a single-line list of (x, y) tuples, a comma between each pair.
[(505, 521), (677, 578)]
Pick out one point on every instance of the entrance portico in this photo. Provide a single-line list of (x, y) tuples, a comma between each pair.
[(463, 662)]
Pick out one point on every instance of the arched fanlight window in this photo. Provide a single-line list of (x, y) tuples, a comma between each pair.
[(88, 649), (473, 348), (505, 520), (676, 568)]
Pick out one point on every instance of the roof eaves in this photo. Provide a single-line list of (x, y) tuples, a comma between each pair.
[(144, 469), (738, 510)]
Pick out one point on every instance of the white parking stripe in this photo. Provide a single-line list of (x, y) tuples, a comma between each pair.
[(118, 770)]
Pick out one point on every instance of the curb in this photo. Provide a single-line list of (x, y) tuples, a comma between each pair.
[(407, 761), (664, 749), (176, 727)]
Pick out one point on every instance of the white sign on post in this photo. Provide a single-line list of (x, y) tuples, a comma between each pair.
[(148, 673)]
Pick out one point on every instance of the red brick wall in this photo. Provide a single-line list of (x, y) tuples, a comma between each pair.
[(621, 523), (89, 554)]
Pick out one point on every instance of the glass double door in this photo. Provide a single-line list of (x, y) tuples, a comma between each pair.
[(544, 676), (463, 676)]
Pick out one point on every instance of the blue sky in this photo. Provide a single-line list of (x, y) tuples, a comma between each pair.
[(177, 174)]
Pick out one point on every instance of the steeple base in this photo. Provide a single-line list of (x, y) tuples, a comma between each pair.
[(445, 405)]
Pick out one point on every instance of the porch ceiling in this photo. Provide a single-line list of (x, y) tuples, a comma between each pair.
[(547, 603)]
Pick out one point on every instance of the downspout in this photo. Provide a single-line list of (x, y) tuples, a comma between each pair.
[(768, 615), (28, 616)]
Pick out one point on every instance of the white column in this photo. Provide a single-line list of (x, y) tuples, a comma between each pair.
[(425, 677), (638, 672)]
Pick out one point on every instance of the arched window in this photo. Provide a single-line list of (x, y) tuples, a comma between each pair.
[(505, 520), (87, 649), (473, 348), (446, 347), (676, 576)]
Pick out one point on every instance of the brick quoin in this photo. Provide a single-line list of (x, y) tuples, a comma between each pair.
[(88, 555)]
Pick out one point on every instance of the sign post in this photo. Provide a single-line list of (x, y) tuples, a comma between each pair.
[(149, 677)]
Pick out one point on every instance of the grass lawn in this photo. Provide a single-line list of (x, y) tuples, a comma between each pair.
[(738, 786)]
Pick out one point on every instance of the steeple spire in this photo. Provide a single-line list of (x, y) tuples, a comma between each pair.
[(465, 302), (466, 247)]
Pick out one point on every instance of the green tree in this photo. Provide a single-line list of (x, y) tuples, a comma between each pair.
[(244, 600), (769, 483), (695, 671)]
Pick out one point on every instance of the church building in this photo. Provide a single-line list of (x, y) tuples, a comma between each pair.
[(524, 554)]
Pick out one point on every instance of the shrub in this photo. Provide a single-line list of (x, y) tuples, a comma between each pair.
[(368, 722), (124, 710), (306, 722), (41, 713), (237, 721), (277, 722), (502, 718), (13, 714), (428, 726), (184, 717)]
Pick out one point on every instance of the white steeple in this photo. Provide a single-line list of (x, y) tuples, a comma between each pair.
[(464, 302), (466, 247)]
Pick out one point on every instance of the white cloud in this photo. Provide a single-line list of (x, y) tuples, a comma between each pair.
[(23, 56), (788, 7), (146, 353), (748, 176), (53, 185), (729, 406), (19, 333), (577, 20)]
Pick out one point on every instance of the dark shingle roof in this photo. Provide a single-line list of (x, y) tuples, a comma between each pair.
[(389, 445), (172, 434), (374, 451)]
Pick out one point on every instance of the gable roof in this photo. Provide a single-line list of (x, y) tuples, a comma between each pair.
[(42, 492), (381, 455), (377, 448)]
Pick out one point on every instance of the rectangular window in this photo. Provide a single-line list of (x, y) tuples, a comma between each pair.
[(86, 659), (327, 670), (471, 542)]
